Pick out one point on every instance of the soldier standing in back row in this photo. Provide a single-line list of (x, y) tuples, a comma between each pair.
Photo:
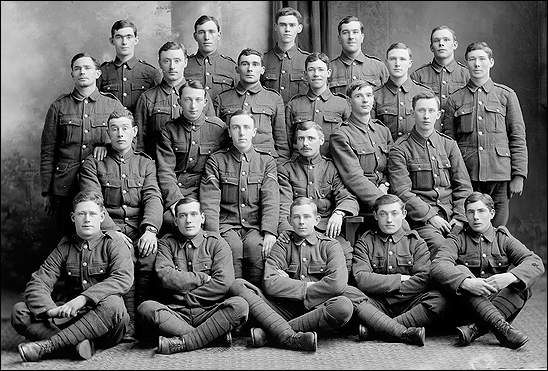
[(126, 76)]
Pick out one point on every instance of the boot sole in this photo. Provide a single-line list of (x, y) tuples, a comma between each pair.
[(315, 345), (462, 340), (22, 354), (85, 349), (517, 346), (254, 341)]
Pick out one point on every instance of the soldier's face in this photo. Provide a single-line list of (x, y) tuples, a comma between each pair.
[(121, 133), (207, 36), (287, 28), (443, 44), (479, 64), (189, 219), (173, 64), (193, 102), (242, 130), (250, 68), (361, 100), (124, 41), (84, 72), (87, 218), (317, 74), (309, 142), (390, 217), (426, 113), (351, 37), (303, 220), (398, 62), (479, 216)]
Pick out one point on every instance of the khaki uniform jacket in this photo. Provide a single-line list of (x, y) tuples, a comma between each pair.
[(488, 126), (182, 152), (284, 71), (183, 266), (128, 80), (381, 259), (318, 179), (317, 259), (363, 67), (96, 269), (73, 127), (216, 72), (129, 187), (240, 190), (429, 175), (470, 254)]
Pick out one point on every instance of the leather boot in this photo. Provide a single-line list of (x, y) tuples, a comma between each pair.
[(302, 341), (258, 337), (414, 335), (170, 345), (85, 349), (35, 351), (468, 333), (363, 332), (508, 336)]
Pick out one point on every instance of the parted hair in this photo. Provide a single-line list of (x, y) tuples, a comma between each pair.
[(399, 45), (357, 84), (84, 196), (289, 11), (443, 27), (305, 125), (478, 196), (195, 84), (300, 201), (316, 56), (479, 45), (242, 112), (387, 200), (186, 200), (249, 51), (206, 18), (119, 113), (123, 23), (171, 45), (425, 95), (348, 19), (82, 55)]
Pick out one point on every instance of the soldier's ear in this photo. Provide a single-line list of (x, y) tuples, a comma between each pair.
[(136, 40), (300, 29), (72, 216), (111, 39), (102, 215), (375, 215), (329, 71)]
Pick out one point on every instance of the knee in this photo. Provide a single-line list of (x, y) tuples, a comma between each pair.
[(20, 317), (112, 309), (238, 287), (340, 309), (436, 302), (239, 309), (147, 309)]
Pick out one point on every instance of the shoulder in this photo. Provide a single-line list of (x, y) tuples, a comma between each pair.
[(379, 124), (210, 235), (462, 65), (322, 237), (145, 63), (227, 94), (413, 234), (445, 137), (374, 58), (296, 98), (117, 238), (272, 91), (421, 85), (340, 95), (107, 64), (503, 230), (423, 68), (264, 155), (144, 155), (503, 87), (304, 52), (226, 57), (403, 138), (62, 97), (378, 89), (215, 121), (108, 95)]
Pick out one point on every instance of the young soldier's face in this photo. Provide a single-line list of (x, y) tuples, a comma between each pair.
[(189, 219), (84, 72), (124, 41), (317, 74), (309, 142), (361, 100), (479, 216), (479, 64), (193, 102), (390, 217), (351, 37), (443, 44), (398, 62), (121, 133), (426, 113), (87, 218), (288, 28), (242, 130), (303, 220), (250, 68), (173, 64), (207, 36)]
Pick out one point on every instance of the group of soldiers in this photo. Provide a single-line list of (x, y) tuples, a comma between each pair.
[(211, 199)]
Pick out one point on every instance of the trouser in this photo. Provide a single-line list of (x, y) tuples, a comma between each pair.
[(246, 245), (499, 193), (104, 323), (196, 326)]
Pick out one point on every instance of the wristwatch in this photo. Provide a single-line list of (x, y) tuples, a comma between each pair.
[(151, 229)]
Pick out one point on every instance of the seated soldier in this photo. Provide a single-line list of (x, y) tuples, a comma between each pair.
[(312, 175), (240, 198), (195, 270), (489, 272), (127, 181), (97, 270), (392, 267)]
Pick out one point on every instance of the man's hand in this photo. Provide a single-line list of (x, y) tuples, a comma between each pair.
[(148, 244), (69, 309), (99, 152), (282, 273), (501, 280), (383, 188), (49, 207), (404, 277), (334, 225), (308, 284), (284, 237), (439, 223), (515, 187), (477, 286), (268, 241)]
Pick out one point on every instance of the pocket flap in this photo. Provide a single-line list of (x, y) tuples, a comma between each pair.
[(98, 269), (138, 86), (471, 262), (229, 179), (160, 110), (317, 268), (135, 182), (73, 270), (296, 76), (362, 148), (377, 261), (260, 109), (337, 83), (180, 147), (444, 163), (70, 120), (111, 87), (463, 110), (110, 182), (270, 76), (384, 148), (419, 167), (291, 270), (203, 265), (404, 260), (254, 179), (498, 261), (503, 151), (495, 108), (387, 109), (332, 117), (206, 149), (222, 79)]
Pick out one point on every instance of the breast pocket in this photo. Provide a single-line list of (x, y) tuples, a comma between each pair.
[(291, 270), (160, 115), (405, 263), (444, 166), (298, 82), (72, 272), (254, 188), (181, 155), (499, 263), (317, 270), (112, 87), (71, 129), (135, 185), (99, 128), (223, 82), (111, 191), (203, 265), (377, 264), (372, 79), (463, 119), (338, 85), (496, 118), (229, 189), (270, 79), (421, 176), (331, 122), (98, 272), (366, 156)]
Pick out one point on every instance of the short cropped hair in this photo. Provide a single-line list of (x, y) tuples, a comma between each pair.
[(119, 113), (305, 125), (206, 18), (289, 11), (316, 56), (443, 27), (123, 23), (425, 95), (348, 19), (242, 112), (194, 84), (355, 85), (300, 201), (249, 51), (83, 55), (186, 200), (84, 196), (387, 200), (399, 45), (479, 45), (478, 196), (172, 45)]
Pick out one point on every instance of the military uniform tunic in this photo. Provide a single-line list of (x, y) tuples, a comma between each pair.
[(363, 67)]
